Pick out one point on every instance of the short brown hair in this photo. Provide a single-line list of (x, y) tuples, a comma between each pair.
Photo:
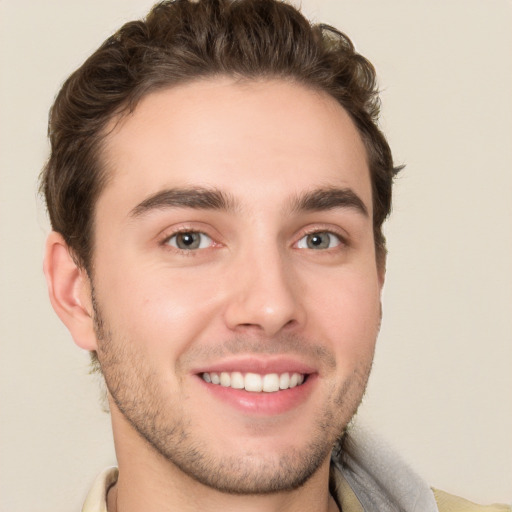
[(180, 41)]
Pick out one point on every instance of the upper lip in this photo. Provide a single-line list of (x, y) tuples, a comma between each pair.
[(257, 364)]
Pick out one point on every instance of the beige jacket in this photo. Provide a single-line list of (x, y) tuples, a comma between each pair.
[(343, 493), (366, 476)]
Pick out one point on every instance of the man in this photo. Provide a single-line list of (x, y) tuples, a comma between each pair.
[(217, 188)]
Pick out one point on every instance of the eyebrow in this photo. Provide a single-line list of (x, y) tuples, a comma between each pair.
[(329, 198), (195, 198), (321, 199)]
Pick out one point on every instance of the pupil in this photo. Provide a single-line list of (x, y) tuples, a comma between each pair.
[(188, 239), (319, 241)]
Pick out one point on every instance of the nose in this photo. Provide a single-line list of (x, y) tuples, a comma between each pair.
[(265, 295)]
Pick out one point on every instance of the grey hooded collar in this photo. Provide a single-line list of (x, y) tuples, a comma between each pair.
[(380, 479)]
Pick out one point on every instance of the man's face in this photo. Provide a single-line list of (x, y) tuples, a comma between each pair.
[(234, 242)]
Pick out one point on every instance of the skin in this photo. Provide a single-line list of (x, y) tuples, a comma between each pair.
[(257, 289)]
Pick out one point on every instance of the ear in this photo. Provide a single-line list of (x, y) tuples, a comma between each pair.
[(382, 276), (69, 288), (381, 268)]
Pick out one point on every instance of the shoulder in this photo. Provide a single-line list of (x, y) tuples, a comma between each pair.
[(449, 503), (96, 500)]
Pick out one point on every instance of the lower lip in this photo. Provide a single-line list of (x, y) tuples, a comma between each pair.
[(262, 403)]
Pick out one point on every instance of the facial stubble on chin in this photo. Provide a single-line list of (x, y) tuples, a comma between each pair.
[(163, 424)]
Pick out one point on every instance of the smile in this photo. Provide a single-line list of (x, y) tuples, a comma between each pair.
[(254, 382)]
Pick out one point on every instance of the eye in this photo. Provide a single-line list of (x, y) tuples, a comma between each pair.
[(319, 240), (189, 240)]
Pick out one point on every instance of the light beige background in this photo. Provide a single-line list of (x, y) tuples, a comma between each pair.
[(441, 391)]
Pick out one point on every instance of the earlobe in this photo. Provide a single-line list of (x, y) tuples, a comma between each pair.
[(69, 289)]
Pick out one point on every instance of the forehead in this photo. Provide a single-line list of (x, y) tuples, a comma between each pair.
[(258, 140)]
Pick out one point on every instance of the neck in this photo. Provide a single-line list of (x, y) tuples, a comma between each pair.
[(147, 481), (124, 497)]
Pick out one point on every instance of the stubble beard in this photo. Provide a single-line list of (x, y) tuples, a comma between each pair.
[(142, 400)]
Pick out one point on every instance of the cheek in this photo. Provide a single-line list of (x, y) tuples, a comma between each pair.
[(155, 308), (348, 317)]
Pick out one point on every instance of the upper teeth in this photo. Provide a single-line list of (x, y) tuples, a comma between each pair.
[(269, 383)]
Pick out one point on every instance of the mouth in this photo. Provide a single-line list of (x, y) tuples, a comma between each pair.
[(255, 382), (261, 386)]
